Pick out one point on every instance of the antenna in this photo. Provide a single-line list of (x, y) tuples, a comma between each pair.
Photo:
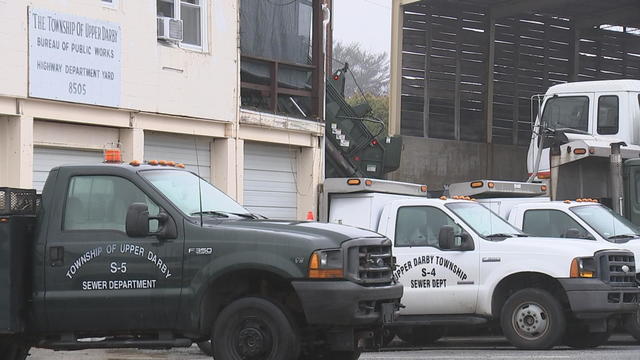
[(195, 144)]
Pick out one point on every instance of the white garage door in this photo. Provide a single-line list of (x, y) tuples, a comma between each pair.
[(44, 159), (181, 149), (270, 180)]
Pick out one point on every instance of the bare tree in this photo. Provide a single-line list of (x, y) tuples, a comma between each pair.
[(370, 69)]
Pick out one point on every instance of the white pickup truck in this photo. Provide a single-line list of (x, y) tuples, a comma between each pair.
[(586, 220), (462, 264)]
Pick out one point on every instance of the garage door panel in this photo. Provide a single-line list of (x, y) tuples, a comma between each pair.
[(277, 213), (259, 185), (181, 149), (264, 162), (270, 199), (259, 176), (45, 159), (270, 180)]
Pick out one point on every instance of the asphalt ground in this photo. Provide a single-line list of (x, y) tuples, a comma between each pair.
[(495, 348)]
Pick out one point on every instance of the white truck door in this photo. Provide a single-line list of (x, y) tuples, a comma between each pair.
[(435, 281)]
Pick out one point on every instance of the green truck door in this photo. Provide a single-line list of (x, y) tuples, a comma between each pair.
[(98, 278)]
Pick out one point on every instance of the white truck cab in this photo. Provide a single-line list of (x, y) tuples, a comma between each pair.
[(462, 264), (602, 111)]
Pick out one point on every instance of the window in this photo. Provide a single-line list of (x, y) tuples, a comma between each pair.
[(551, 223), (101, 203), (193, 16), (482, 220), (570, 112), (608, 114), (420, 226), (607, 223), (184, 191), (279, 57)]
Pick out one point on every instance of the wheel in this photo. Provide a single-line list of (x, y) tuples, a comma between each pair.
[(254, 328), (420, 335), (579, 337), (533, 319), (205, 347), (12, 348), (632, 324)]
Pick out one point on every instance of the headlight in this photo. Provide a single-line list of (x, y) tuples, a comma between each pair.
[(326, 264), (583, 268)]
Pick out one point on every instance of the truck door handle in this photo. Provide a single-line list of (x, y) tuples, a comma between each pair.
[(56, 255)]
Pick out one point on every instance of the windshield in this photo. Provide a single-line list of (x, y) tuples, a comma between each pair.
[(570, 112), (482, 220), (181, 188), (605, 222)]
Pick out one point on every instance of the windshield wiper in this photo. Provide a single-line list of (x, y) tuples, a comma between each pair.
[(244, 215), (500, 235), (622, 236), (225, 214), (210, 212)]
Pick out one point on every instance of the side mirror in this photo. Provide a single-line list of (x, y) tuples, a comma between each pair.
[(137, 223), (572, 233), (448, 240)]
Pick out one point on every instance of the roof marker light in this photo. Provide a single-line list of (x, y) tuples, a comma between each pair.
[(135, 163)]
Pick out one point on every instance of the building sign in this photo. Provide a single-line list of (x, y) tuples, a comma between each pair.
[(73, 58)]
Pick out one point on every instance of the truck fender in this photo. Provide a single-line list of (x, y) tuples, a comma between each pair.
[(268, 264), (487, 288)]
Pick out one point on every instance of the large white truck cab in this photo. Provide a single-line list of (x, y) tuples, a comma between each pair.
[(606, 110), (462, 264)]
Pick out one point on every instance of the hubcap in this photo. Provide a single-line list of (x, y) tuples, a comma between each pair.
[(530, 321), (253, 340)]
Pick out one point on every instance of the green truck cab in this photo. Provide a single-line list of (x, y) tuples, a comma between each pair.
[(132, 256)]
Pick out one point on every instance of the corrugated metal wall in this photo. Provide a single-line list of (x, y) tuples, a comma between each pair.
[(448, 82)]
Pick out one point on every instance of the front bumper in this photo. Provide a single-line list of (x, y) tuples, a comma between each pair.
[(344, 303), (593, 298)]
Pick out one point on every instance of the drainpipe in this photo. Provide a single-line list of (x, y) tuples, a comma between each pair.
[(615, 179)]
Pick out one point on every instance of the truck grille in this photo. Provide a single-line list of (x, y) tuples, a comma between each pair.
[(371, 264), (613, 266)]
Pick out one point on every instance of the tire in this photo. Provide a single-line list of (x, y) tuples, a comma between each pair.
[(579, 337), (12, 348), (205, 347), (533, 319), (632, 324), (421, 335), (254, 328)]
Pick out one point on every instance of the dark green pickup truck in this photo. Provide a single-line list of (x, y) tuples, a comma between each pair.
[(143, 256)]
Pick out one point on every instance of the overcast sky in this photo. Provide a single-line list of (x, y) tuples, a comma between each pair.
[(367, 22)]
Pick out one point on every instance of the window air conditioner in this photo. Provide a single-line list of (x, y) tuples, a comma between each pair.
[(169, 29)]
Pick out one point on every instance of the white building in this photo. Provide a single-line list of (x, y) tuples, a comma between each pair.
[(79, 75)]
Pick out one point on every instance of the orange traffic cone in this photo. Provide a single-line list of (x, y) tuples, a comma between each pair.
[(310, 216)]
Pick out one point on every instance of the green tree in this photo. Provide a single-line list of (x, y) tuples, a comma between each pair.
[(371, 70)]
